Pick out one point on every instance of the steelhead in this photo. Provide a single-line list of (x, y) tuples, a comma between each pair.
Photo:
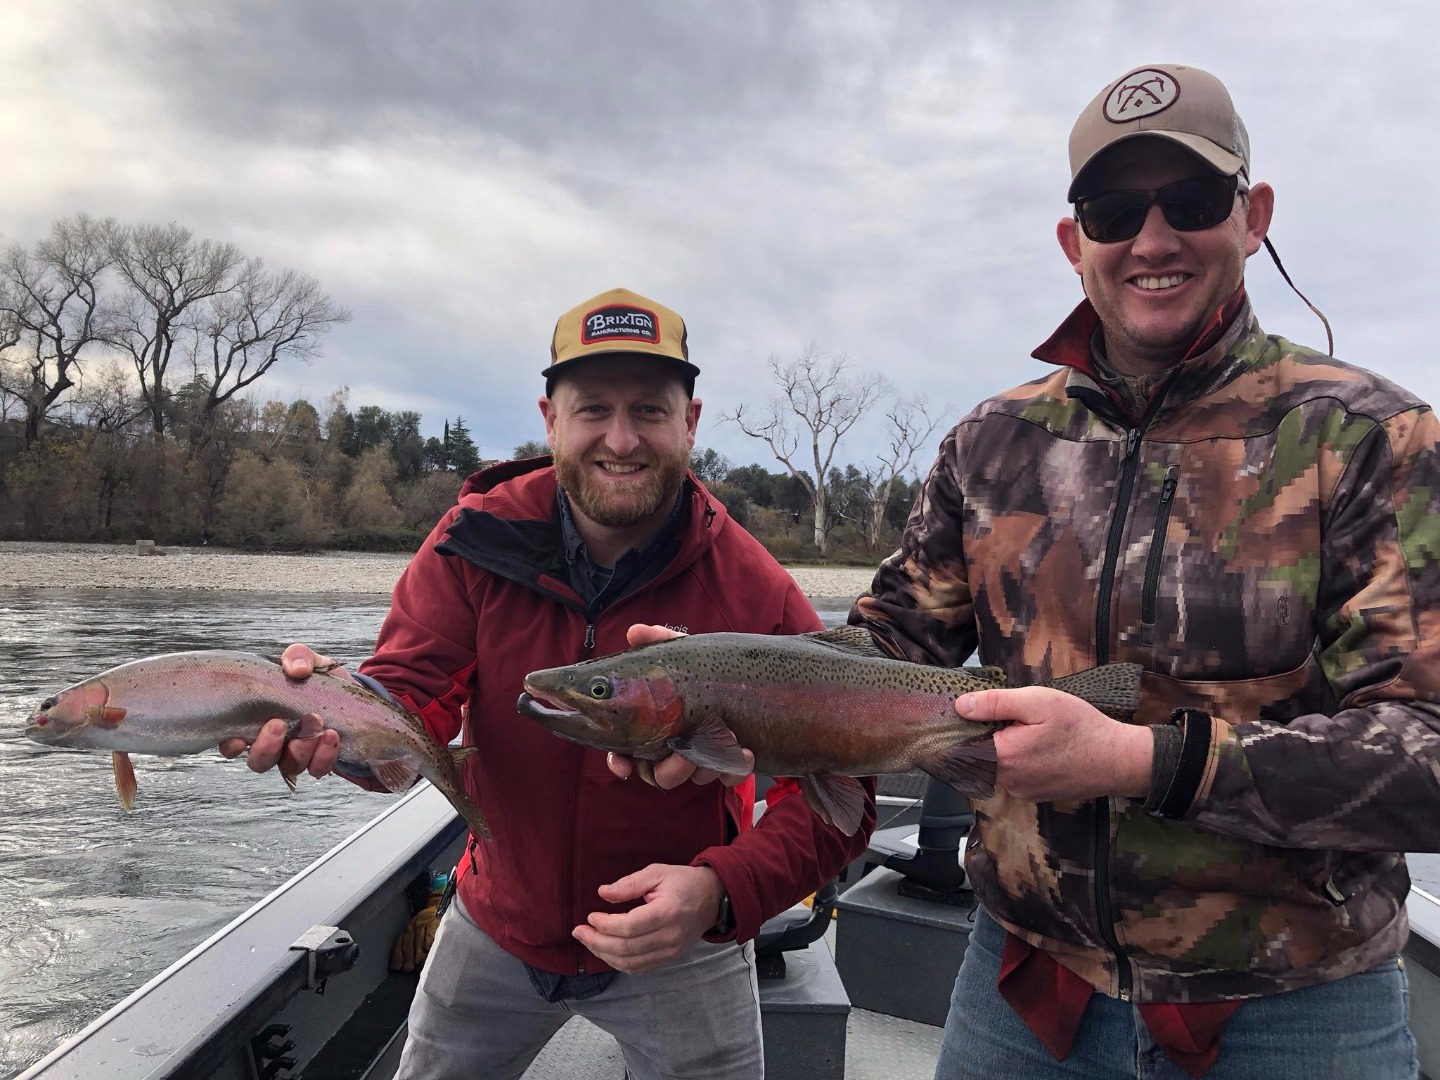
[(187, 702), (823, 707)]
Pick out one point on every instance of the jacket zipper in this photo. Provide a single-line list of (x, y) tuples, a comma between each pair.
[(586, 649), (1157, 549), (1105, 909)]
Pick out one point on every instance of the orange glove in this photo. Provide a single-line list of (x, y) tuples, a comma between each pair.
[(413, 944)]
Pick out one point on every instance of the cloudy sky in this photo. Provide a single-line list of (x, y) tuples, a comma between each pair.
[(878, 179)]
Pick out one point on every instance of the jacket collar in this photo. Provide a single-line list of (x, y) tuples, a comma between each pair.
[(509, 525), (1212, 361)]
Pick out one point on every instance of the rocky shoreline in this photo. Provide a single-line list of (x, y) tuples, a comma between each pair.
[(26, 564)]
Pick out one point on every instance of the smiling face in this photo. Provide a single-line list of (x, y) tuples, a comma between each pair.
[(621, 428), (1155, 292)]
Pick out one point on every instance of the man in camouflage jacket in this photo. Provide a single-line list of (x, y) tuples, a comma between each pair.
[(1256, 525)]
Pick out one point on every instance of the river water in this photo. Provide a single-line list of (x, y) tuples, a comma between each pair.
[(96, 900)]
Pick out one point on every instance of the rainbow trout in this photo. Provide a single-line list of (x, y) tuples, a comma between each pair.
[(187, 702), (823, 707)]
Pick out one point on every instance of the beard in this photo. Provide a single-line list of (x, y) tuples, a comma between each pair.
[(629, 503)]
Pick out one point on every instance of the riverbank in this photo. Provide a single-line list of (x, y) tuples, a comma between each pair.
[(116, 566)]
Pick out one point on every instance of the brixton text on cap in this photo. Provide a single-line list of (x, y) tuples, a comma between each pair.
[(1170, 101), (616, 322)]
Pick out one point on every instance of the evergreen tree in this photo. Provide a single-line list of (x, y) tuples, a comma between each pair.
[(464, 457)]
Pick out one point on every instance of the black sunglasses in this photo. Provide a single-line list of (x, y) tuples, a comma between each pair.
[(1201, 202)]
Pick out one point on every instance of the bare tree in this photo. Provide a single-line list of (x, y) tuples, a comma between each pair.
[(51, 310), (246, 331), (817, 400), (909, 427), (167, 273)]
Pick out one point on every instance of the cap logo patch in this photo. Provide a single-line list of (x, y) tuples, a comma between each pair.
[(1143, 93), (619, 322)]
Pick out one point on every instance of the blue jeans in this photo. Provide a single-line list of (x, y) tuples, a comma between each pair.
[(1354, 1028)]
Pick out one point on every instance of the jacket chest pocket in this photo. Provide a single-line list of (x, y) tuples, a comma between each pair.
[(1221, 581)]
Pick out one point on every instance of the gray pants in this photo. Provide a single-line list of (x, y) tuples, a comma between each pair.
[(477, 1014)]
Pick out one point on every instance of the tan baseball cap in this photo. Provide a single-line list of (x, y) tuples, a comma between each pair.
[(620, 321), (1183, 104)]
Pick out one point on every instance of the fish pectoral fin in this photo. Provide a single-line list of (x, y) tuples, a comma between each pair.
[(305, 727), (712, 745), (969, 768), (106, 716), (854, 639), (125, 785), (837, 800), (397, 774), (1114, 689)]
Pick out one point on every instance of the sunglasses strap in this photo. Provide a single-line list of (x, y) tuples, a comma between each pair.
[(1329, 337)]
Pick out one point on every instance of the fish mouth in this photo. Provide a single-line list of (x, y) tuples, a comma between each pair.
[(42, 730), (533, 707), (569, 724)]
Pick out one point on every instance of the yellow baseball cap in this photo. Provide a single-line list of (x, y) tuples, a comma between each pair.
[(620, 321)]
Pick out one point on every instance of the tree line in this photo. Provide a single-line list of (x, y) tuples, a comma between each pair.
[(130, 358)]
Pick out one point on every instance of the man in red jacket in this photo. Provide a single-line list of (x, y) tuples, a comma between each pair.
[(591, 872)]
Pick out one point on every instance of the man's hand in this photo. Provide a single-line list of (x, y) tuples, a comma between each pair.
[(1061, 748), (315, 755), (681, 905), (672, 771)]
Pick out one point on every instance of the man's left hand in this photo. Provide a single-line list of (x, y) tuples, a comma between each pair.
[(681, 904), (672, 771), (1061, 748)]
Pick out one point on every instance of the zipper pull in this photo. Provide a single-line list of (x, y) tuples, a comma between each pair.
[(589, 636), (1132, 440)]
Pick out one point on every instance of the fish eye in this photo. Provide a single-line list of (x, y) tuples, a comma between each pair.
[(49, 703), (599, 688)]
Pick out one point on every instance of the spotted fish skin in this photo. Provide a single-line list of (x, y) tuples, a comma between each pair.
[(188, 702), (818, 706)]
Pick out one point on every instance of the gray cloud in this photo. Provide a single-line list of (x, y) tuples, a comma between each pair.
[(878, 179)]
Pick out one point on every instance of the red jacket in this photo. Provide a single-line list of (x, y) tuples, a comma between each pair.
[(491, 582)]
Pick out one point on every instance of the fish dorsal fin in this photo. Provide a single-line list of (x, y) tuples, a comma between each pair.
[(969, 768), (711, 745), (397, 774), (854, 639), (461, 754), (838, 800), (990, 673), (124, 778), (1114, 689)]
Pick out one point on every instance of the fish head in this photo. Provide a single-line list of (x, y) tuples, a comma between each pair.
[(64, 720), (624, 706)]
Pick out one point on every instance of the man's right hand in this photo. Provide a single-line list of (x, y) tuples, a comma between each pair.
[(315, 755)]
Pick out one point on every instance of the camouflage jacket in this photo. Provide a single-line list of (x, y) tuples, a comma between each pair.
[(1263, 541)]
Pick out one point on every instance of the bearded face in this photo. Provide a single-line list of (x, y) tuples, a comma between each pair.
[(621, 429)]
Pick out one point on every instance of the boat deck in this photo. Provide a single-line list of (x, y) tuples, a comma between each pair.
[(877, 1047)]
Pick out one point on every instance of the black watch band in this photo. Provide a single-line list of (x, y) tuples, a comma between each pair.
[(725, 919)]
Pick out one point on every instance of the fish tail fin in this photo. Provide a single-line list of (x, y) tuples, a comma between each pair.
[(1114, 689), (451, 783), (969, 767), (125, 785), (472, 814)]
